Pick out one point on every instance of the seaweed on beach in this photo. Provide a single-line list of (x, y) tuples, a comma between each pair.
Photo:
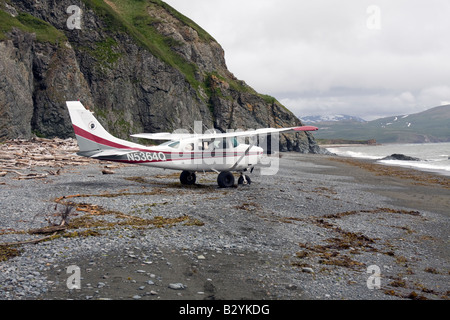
[(377, 210), (155, 191), (342, 248), (88, 221), (69, 219), (327, 255), (419, 178), (338, 249), (7, 252)]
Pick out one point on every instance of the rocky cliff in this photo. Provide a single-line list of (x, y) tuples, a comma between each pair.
[(139, 64)]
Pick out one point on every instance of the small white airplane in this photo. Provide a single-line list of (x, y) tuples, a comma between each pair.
[(190, 153)]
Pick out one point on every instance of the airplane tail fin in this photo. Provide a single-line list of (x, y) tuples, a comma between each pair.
[(90, 134)]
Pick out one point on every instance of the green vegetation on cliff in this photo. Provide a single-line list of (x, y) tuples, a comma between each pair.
[(131, 17), (44, 31)]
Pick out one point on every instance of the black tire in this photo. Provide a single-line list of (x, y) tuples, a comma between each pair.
[(225, 179), (188, 178), (241, 180)]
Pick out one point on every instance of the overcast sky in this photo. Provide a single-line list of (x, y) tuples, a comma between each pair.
[(365, 58)]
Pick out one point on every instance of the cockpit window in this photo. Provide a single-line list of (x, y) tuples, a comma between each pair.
[(175, 145), (172, 144)]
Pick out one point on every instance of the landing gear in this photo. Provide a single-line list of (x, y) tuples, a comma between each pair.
[(188, 178), (225, 179), (244, 179)]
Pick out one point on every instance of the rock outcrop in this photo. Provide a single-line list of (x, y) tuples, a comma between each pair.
[(402, 157), (139, 65)]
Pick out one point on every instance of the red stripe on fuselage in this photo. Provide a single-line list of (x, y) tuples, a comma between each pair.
[(89, 136)]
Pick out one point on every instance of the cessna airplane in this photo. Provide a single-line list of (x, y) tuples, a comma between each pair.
[(190, 153)]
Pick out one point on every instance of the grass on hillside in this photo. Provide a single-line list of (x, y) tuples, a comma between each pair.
[(131, 17), (44, 31)]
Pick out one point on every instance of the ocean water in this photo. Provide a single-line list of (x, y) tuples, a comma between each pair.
[(434, 157)]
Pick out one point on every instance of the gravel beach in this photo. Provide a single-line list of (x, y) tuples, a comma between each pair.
[(322, 228)]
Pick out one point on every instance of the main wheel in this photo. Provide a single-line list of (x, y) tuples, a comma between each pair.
[(188, 178), (225, 179), (247, 180)]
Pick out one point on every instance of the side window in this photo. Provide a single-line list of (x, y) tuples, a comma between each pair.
[(189, 147), (235, 142), (220, 144), (204, 145)]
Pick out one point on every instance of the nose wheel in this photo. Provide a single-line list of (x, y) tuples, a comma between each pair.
[(244, 179)]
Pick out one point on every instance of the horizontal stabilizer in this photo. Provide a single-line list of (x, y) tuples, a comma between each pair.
[(111, 152)]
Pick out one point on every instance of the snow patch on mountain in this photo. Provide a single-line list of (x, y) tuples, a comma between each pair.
[(331, 118)]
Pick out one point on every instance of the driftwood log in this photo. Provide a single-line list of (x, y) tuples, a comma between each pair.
[(27, 241), (19, 154), (19, 157), (48, 230)]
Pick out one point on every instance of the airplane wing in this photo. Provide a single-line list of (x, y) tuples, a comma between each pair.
[(163, 136), (176, 136)]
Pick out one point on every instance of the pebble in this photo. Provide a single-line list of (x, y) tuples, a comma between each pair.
[(307, 270), (177, 286)]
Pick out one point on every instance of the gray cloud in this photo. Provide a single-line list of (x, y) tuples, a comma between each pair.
[(328, 57)]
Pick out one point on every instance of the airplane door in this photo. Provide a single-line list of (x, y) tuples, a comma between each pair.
[(187, 154), (217, 153)]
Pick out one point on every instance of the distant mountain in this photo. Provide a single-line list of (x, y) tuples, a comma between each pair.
[(326, 118), (432, 125)]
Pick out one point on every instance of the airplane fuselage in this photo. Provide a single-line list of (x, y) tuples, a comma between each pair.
[(240, 158)]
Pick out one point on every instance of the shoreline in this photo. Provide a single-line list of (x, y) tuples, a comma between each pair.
[(422, 161), (308, 233), (417, 182)]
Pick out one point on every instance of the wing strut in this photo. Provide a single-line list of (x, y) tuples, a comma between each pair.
[(242, 157)]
